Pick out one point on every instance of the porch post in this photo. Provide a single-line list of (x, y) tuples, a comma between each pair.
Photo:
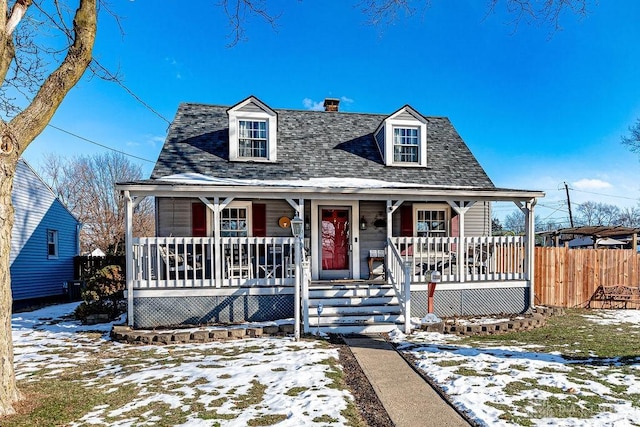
[(128, 238), (530, 245), (217, 247), (461, 207)]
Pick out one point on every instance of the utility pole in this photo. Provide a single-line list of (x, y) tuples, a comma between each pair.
[(566, 188)]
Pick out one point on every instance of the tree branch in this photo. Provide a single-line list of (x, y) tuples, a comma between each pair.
[(32, 120)]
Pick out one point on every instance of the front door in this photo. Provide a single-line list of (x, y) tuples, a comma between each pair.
[(335, 243)]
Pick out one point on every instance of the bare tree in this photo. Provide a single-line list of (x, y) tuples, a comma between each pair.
[(543, 12), (596, 213), (43, 84), (86, 185)]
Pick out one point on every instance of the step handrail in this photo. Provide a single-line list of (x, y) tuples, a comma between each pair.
[(398, 273)]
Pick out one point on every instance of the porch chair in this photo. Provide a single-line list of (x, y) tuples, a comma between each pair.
[(176, 262), (238, 268)]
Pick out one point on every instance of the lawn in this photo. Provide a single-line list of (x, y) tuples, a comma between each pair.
[(582, 369)]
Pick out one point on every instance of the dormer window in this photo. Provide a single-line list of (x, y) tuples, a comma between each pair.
[(402, 138), (252, 132), (406, 145), (252, 138)]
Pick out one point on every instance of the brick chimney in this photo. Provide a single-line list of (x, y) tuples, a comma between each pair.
[(331, 104)]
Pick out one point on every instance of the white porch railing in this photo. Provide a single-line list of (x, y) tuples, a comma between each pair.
[(399, 275), (482, 258), (178, 262)]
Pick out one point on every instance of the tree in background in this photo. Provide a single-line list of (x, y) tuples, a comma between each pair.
[(86, 184), (42, 76), (597, 213)]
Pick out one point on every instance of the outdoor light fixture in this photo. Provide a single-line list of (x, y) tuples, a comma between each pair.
[(297, 225), (363, 223)]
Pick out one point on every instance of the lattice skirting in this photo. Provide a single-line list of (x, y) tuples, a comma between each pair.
[(471, 302), (153, 312)]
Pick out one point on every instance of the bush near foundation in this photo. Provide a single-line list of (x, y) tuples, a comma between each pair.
[(103, 294)]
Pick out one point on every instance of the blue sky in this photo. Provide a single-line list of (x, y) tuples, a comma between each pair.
[(538, 108)]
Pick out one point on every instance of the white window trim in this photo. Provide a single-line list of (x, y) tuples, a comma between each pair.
[(432, 207), (234, 145), (241, 204), (55, 243), (390, 124)]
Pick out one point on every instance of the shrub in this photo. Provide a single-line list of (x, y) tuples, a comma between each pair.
[(103, 294)]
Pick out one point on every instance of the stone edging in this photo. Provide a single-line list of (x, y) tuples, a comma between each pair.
[(535, 319), (129, 335)]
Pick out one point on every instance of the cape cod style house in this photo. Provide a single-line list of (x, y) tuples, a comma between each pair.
[(378, 203)]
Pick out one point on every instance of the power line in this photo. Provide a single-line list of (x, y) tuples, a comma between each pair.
[(98, 144), (606, 195)]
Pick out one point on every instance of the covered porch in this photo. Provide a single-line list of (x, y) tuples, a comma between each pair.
[(252, 278)]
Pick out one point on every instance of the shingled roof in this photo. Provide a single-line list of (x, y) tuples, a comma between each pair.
[(314, 144)]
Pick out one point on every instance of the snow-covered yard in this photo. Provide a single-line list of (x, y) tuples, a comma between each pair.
[(277, 381), (507, 385), (246, 382)]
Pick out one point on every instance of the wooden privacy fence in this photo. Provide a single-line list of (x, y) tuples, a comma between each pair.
[(570, 277)]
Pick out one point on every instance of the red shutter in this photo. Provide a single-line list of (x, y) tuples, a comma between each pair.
[(455, 226), (406, 220), (198, 220), (259, 220)]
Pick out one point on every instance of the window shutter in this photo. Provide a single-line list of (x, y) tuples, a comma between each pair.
[(259, 220), (406, 220), (198, 220), (455, 226)]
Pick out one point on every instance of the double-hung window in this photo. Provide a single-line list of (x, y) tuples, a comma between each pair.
[(234, 222), (432, 221), (52, 243), (406, 145), (252, 139)]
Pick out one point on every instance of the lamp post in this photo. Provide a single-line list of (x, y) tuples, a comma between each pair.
[(297, 226)]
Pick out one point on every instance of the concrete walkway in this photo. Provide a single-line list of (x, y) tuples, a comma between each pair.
[(409, 400)]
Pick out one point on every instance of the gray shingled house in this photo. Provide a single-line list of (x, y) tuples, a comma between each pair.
[(379, 203)]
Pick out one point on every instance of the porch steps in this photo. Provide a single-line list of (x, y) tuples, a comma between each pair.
[(353, 307)]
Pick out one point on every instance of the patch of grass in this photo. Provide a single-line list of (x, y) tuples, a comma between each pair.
[(562, 334), (224, 376), (267, 420), (449, 363), (279, 369), (467, 372), (254, 395), (295, 391), (325, 419)]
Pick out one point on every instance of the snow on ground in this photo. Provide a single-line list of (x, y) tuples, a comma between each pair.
[(209, 383), (509, 386), (212, 383)]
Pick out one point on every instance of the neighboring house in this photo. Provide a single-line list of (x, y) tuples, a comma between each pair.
[(400, 190), (592, 236), (44, 239)]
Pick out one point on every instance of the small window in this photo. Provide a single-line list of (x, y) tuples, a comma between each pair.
[(252, 139), (431, 223), (52, 243), (233, 222), (406, 145)]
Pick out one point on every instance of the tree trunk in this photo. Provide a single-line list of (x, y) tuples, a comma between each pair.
[(15, 137), (8, 390)]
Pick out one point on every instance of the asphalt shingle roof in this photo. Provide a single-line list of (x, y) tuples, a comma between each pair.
[(314, 144)]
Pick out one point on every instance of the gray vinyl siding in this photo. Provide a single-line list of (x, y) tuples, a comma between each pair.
[(373, 237), (37, 210), (404, 116), (174, 217), (251, 108), (478, 220)]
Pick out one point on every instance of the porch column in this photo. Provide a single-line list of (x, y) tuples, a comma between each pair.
[(128, 239), (530, 242), (461, 207)]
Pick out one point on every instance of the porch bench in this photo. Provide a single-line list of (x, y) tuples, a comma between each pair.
[(616, 296)]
